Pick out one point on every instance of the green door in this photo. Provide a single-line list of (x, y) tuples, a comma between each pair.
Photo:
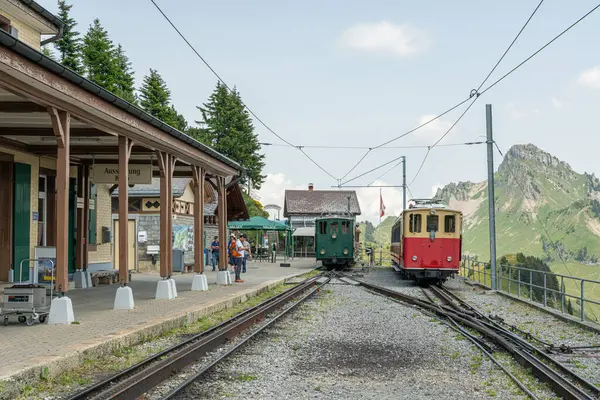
[(72, 223), (21, 219)]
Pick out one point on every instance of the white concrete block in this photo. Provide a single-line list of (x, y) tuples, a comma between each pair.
[(61, 311), (164, 290), (223, 278), (173, 287), (79, 279), (124, 299), (200, 283), (88, 278)]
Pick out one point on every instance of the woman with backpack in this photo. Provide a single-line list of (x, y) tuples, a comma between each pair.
[(237, 253)]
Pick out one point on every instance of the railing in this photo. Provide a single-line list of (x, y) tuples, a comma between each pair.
[(546, 288)]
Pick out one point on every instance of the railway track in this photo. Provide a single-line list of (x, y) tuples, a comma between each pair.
[(563, 381), (151, 372)]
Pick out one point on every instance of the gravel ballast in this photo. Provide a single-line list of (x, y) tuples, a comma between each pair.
[(347, 343)]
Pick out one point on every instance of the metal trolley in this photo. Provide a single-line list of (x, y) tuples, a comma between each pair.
[(28, 301)]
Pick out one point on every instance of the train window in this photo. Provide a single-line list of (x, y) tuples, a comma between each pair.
[(345, 227), (322, 227), (432, 223), (415, 223), (333, 228), (450, 223)]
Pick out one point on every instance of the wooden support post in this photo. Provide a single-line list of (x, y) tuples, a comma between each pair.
[(124, 151), (81, 217), (61, 125), (86, 216), (222, 204), (199, 176), (166, 166)]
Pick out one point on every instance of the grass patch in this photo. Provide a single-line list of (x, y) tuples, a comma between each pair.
[(310, 274), (246, 377), (476, 361)]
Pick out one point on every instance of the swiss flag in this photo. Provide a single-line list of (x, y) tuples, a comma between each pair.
[(381, 206)]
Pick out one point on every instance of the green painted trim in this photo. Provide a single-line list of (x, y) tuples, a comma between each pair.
[(21, 219)]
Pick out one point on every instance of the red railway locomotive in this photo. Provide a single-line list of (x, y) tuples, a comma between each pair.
[(427, 241)]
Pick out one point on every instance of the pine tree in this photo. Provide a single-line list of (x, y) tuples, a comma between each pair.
[(227, 127), (98, 53), (69, 45), (155, 99), (47, 51), (125, 80)]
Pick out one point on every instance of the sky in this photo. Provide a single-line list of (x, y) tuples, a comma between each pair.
[(358, 73)]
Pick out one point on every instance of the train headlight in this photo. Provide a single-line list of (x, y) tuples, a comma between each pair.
[(322, 251), (345, 251), (449, 259), (414, 258), (333, 236)]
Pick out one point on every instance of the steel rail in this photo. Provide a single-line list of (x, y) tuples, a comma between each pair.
[(197, 375), (149, 372), (520, 341), (559, 383)]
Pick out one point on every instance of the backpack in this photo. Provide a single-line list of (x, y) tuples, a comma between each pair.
[(233, 249)]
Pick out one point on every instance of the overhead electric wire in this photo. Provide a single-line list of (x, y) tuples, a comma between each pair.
[(335, 147), (228, 88), (476, 91), (356, 165)]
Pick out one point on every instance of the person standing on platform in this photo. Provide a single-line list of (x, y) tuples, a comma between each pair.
[(238, 254), (214, 247), (246, 249), (229, 256)]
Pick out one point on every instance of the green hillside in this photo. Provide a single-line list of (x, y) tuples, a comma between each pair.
[(383, 231), (543, 208)]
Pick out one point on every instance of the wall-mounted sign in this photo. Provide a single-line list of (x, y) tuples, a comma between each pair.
[(36, 216), (109, 173)]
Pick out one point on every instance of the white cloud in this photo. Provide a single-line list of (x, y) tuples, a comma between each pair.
[(433, 130), (557, 103), (513, 112), (384, 38), (435, 188), (272, 191), (590, 77), (368, 199)]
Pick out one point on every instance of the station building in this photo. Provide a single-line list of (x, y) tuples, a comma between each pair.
[(302, 207), (66, 145)]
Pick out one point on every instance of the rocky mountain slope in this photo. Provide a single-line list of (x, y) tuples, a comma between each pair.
[(543, 208)]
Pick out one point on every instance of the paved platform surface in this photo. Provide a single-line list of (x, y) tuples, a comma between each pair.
[(23, 347)]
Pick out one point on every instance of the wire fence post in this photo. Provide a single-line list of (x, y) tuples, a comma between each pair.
[(509, 279), (479, 272), (562, 294), (582, 302), (519, 282), (530, 285), (545, 299)]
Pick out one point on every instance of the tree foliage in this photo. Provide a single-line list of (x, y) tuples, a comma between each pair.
[(255, 208), (69, 45), (227, 127), (125, 82), (369, 231), (155, 99), (98, 53), (537, 278)]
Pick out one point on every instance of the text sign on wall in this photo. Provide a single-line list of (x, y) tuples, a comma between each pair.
[(109, 173)]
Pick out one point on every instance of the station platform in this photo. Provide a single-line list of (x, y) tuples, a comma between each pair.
[(98, 329)]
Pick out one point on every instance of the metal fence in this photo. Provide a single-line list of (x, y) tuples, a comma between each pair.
[(546, 288)]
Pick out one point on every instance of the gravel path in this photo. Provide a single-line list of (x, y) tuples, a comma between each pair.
[(347, 343), (542, 325)]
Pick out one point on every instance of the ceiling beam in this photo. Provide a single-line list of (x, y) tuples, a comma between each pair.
[(21, 107), (48, 132), (179, 163), (88, 150)]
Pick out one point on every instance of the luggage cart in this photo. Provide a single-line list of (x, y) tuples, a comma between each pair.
[(29, 301)]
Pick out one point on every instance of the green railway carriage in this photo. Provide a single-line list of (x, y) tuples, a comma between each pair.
[(335, 241)]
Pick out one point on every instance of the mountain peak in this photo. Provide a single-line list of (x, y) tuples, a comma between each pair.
[(534, 157)]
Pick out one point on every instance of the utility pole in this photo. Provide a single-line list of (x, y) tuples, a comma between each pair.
[(404, 182), (491, 198)]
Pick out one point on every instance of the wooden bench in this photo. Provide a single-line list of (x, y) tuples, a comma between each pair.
[(106, 277)]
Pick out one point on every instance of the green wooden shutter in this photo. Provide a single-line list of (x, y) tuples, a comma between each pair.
[(93, 229), (21, 219)]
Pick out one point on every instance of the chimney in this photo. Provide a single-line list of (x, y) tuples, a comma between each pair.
[(310, 187)]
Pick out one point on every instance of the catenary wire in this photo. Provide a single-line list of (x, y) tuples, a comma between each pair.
[(521, 64), (334, 147), (228, 88)]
